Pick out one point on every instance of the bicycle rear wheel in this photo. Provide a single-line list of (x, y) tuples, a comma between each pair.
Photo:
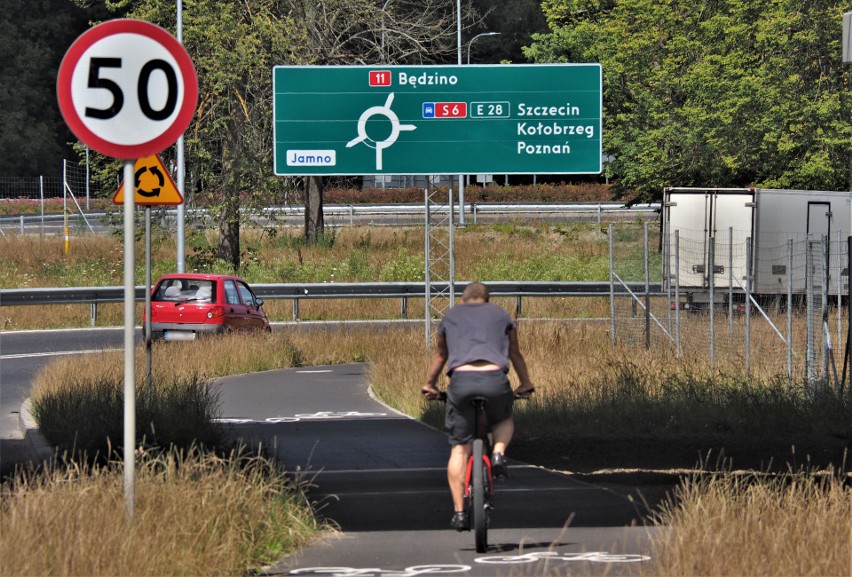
[(478, 500)]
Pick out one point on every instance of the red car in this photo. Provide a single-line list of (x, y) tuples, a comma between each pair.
[(186, 305)]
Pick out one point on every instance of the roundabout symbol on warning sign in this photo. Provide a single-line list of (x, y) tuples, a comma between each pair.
[(152, 184), (127, 88)]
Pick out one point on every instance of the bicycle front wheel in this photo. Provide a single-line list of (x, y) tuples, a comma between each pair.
[(479, 513)]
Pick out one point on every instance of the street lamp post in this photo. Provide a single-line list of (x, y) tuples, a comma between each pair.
[(469, 44), (382, 55)]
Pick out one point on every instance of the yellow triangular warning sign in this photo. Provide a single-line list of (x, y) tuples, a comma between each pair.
[(154, 185)]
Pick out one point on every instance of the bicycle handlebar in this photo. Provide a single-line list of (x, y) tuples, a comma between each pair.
[(443, 397)]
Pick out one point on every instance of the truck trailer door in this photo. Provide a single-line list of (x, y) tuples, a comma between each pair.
[(731, 213), (689, 216)]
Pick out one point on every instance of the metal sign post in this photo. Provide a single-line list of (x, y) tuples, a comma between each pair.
[(127, 89), (129, 343)]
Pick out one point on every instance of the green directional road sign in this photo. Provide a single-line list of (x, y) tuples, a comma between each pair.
[(505, 119)]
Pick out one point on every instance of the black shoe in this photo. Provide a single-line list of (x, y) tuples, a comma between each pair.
[(498, 466), (460, 521)]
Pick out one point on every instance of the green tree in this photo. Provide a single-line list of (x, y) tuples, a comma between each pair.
[(373, 31), (234, 46), (35, 35), (725, 93)]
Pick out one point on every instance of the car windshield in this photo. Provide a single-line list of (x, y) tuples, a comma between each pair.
[(185, 289)]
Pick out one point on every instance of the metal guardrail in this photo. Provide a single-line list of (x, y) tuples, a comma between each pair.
[(297, 292), (353, 210), (99, 295)]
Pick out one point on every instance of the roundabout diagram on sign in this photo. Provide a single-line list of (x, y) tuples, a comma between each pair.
[(396, 128)]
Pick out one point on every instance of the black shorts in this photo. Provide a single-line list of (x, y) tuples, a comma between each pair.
[(460, 419)]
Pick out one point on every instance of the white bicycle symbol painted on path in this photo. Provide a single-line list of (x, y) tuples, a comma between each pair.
[(396, 128), (407, 572), (591, 557), (535, 557), (319, 416)]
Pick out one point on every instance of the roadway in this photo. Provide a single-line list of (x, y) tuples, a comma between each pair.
[(377, 475)]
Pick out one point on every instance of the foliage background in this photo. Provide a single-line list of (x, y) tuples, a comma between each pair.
[(723, 93)]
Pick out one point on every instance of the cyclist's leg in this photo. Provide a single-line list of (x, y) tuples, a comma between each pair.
[(500, 409), (460, 421), (456, 469), (502, 434)]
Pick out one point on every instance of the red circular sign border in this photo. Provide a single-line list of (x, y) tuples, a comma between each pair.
[(159, 35)]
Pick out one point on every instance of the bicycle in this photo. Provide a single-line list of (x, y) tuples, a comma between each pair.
[(479, 478)]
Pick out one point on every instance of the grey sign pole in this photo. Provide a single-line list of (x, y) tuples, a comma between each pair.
[(181, 172), (129, 342)]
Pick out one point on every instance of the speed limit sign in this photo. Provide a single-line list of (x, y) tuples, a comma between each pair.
[(127, 88)]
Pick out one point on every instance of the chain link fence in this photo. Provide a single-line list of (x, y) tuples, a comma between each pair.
[(774, 309)]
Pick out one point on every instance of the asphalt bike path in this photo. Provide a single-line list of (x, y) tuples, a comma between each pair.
[(380, 478)]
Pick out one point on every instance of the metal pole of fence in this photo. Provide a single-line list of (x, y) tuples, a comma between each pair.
[(65, 200), (647, 292), (677, 289), (731, 281), (612, 287), (809, 295), (518, 307), (849, 312), (838, 275), (666, 270), (711, 281), (41, 199), (748, 308), (826, 342), (21, 225), (87, 178), (790, 312), (295, 309)]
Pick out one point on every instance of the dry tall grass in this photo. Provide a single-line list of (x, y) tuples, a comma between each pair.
[(195, 515), (584, 383), (747, 525)]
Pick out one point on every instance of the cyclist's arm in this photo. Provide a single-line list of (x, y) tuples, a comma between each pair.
[(430, 389), (519, 364)]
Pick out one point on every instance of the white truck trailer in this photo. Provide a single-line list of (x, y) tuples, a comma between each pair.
[(720, 221)]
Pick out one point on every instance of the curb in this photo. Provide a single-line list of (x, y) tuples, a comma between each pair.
[(39, 447)]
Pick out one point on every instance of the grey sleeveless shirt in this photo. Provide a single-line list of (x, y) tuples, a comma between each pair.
[(476, 332)]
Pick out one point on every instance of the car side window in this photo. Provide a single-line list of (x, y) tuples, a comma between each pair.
[(231, 294), (248, 296)]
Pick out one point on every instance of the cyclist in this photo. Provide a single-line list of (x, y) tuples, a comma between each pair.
[(477, 340)]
